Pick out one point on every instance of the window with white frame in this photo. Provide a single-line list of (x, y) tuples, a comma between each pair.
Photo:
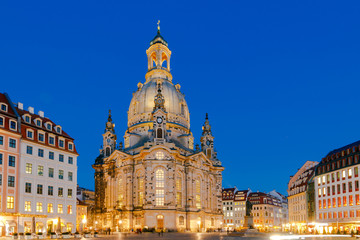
[(38, 122), (27, 118), (71, 146), (13, 125), (3, 107), (30, 134), (48, 126), (41, 137), (51, 140), (61, 143), (1, 121), (58, 129)]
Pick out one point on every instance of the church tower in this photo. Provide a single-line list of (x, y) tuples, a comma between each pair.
[(159, 118), (207, 140), (109, 138)]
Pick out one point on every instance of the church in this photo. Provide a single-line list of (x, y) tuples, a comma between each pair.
[(157, 180)]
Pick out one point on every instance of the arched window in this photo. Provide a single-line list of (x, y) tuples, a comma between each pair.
[(208, 153), (198, 193), (140, 191), (181, 220), (178, 191), (160, 191), (107, 151), (120, 201), (212, 222), (159, 133)]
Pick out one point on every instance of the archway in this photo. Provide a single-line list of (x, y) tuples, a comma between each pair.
[(160, 221)]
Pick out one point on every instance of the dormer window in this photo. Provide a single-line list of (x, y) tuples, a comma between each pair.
[(12, 125), (48, 126), (58, 129), (27, 118), (4, 107), (71, 146), (38, 122)]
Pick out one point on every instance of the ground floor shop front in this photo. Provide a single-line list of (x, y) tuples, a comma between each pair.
[(10, 224)]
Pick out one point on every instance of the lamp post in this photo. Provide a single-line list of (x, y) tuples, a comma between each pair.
[(84, 223)]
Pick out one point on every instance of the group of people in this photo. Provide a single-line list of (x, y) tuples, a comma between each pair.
[(107, 231)]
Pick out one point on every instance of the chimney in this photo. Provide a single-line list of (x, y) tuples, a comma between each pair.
[(31, 110), (41, 114), (20, 106)]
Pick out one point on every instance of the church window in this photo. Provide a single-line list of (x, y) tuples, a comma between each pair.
[(159, 133), (160, 191), (178, 193), (140, 191), (208, 153), (160, 155), (181, 220), (198, 192), (120, 193)]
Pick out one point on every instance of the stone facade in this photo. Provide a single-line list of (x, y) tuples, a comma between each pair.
[(157, 179), (298, 201)]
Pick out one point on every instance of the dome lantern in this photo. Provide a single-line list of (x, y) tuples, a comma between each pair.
[(158, 54)]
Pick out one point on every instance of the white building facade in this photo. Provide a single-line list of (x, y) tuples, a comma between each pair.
[(337, 192), (48, 175)]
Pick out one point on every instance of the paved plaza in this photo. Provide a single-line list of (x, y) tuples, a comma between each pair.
[(205, 236)]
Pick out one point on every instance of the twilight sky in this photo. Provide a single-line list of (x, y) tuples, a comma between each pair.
[(279, 79)]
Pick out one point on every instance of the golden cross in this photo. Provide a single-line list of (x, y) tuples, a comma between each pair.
[(158, 23)]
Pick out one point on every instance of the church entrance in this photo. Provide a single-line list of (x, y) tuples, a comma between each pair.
[(160, 222)]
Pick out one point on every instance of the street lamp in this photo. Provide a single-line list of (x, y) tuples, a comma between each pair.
[(84, 222)]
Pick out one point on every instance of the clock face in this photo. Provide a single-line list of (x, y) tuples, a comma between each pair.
[(159, 120), (208, 142), (159, 101), (108, 140)]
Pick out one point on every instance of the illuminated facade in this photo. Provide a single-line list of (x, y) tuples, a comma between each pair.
[(10, 135), (234, 208), (39, 172), (337, 189), (269, 210), (157, 179), (297, 197)]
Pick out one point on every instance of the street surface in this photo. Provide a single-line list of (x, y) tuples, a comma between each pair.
[(203, 236)]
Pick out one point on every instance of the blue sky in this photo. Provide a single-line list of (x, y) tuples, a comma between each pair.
[(279, 79)]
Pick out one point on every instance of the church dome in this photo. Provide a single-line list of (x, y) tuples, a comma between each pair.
[(142, 104)]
